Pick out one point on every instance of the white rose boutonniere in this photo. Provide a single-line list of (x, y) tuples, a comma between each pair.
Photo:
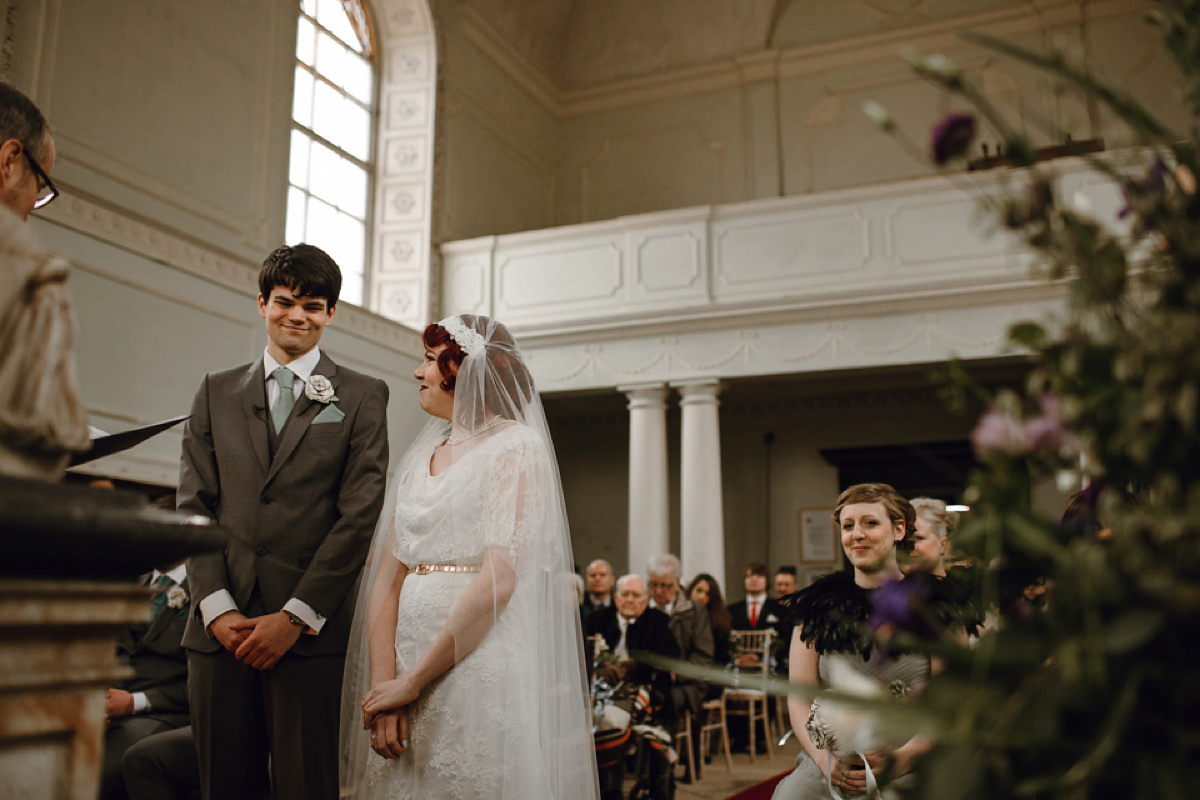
[(318, 388), (177, 597)]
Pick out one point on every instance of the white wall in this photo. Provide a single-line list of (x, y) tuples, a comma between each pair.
[(171, 120), (781, 121)]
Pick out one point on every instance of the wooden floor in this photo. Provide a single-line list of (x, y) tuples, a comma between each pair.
[(718, 783)]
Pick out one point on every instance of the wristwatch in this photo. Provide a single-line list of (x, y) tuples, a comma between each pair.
[(296, 620)]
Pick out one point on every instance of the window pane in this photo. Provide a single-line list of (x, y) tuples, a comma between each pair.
[(294, 232), (326, 111), (355, 134), (302, 97), (298, 166), (332, 16), (306, 41), (326, 173), (310, 7), (359, 78), (331, 59)]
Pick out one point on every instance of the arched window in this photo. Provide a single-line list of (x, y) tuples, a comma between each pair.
[(332, 167)]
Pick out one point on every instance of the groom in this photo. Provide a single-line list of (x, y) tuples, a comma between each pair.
[(289, 453)]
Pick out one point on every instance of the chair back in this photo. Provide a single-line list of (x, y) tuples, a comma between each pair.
[(756, 642)]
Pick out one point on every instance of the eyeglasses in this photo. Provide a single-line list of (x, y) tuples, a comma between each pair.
[(47, 193)]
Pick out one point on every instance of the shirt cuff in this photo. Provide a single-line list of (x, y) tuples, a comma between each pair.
[(140, 702), (304, 611), (213, 606)]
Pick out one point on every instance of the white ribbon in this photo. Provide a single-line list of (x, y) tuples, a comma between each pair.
[(872, 787)]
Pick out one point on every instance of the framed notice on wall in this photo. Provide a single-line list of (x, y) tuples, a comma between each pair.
[(818, 539)]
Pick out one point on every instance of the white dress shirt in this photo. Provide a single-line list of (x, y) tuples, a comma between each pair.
[(221, 601)]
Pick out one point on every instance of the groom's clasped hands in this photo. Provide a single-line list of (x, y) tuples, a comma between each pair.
[(257, 642)]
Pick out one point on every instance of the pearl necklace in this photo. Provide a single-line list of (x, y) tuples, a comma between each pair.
[(493, 422)]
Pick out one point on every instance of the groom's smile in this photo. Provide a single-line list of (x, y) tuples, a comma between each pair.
[(294, 322)]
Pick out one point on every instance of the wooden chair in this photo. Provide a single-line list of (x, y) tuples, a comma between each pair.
[(753, 703), (683, 745), (715, 721)]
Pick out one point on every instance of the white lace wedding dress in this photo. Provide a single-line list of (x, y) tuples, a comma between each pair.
[(480, 730)]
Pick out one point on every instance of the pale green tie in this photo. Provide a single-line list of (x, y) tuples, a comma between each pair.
[(284, 378)]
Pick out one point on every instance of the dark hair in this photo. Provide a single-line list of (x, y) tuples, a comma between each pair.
[(305, 269), (20, 119), (786, 569), (718, 614), (898, 509), (756, 568)]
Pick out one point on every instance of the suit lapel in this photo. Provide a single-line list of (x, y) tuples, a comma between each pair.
[(254, 403), (161, 620), (302, 416)]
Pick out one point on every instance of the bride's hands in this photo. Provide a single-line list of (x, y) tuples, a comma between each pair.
[(389, 733), (385, 696)]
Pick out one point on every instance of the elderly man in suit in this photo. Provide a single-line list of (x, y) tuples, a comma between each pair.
[(289, 453), (692, 629), (154, 700), (630, 629)]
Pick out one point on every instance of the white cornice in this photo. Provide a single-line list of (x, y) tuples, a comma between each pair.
[(771, 64), (726, 318)]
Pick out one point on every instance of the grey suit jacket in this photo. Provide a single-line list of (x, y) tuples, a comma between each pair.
[(154, 650), (300, 521), (692, 629)]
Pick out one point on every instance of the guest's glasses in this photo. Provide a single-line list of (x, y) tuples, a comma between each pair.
[(47, 193)]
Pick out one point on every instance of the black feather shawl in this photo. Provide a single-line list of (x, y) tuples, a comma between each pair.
[(832, 613)]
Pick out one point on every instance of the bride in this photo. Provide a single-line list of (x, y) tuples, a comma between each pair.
[(465, 673)]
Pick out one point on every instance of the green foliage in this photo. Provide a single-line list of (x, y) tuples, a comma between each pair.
[(1094, 694)]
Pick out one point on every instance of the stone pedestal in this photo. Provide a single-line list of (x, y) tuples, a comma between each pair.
[(57, 648), (71, 556)]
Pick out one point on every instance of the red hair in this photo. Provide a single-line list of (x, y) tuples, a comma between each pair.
[(450, 359)]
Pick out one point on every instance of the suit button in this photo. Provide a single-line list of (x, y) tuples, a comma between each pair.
[(261, 551), (265, 500)]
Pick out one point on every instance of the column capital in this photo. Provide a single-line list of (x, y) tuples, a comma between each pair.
[(645, 395), (698, 390)]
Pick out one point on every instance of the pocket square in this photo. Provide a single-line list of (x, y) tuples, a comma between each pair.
[(329, 413)]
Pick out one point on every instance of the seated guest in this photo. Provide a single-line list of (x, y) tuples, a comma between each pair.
[(154, 699), (599, 588), (693, 632), (785, 581), (785, 585), (629, 628), (705, 592), (931, 540), (164, 766), (758, 611), (689, 625)]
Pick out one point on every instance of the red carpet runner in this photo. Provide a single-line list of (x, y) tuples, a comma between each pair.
[(761, 791)]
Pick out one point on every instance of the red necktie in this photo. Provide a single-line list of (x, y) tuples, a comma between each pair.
[(753, 613)]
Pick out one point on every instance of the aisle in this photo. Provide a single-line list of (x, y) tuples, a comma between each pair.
[(718, 784)]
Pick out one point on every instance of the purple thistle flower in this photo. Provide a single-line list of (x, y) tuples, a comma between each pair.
[(951, 137), (900, 608)]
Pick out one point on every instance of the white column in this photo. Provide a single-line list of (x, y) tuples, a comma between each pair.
[(648, 496), (702, 540)]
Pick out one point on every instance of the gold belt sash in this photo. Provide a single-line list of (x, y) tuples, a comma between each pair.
[(425, 569)]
